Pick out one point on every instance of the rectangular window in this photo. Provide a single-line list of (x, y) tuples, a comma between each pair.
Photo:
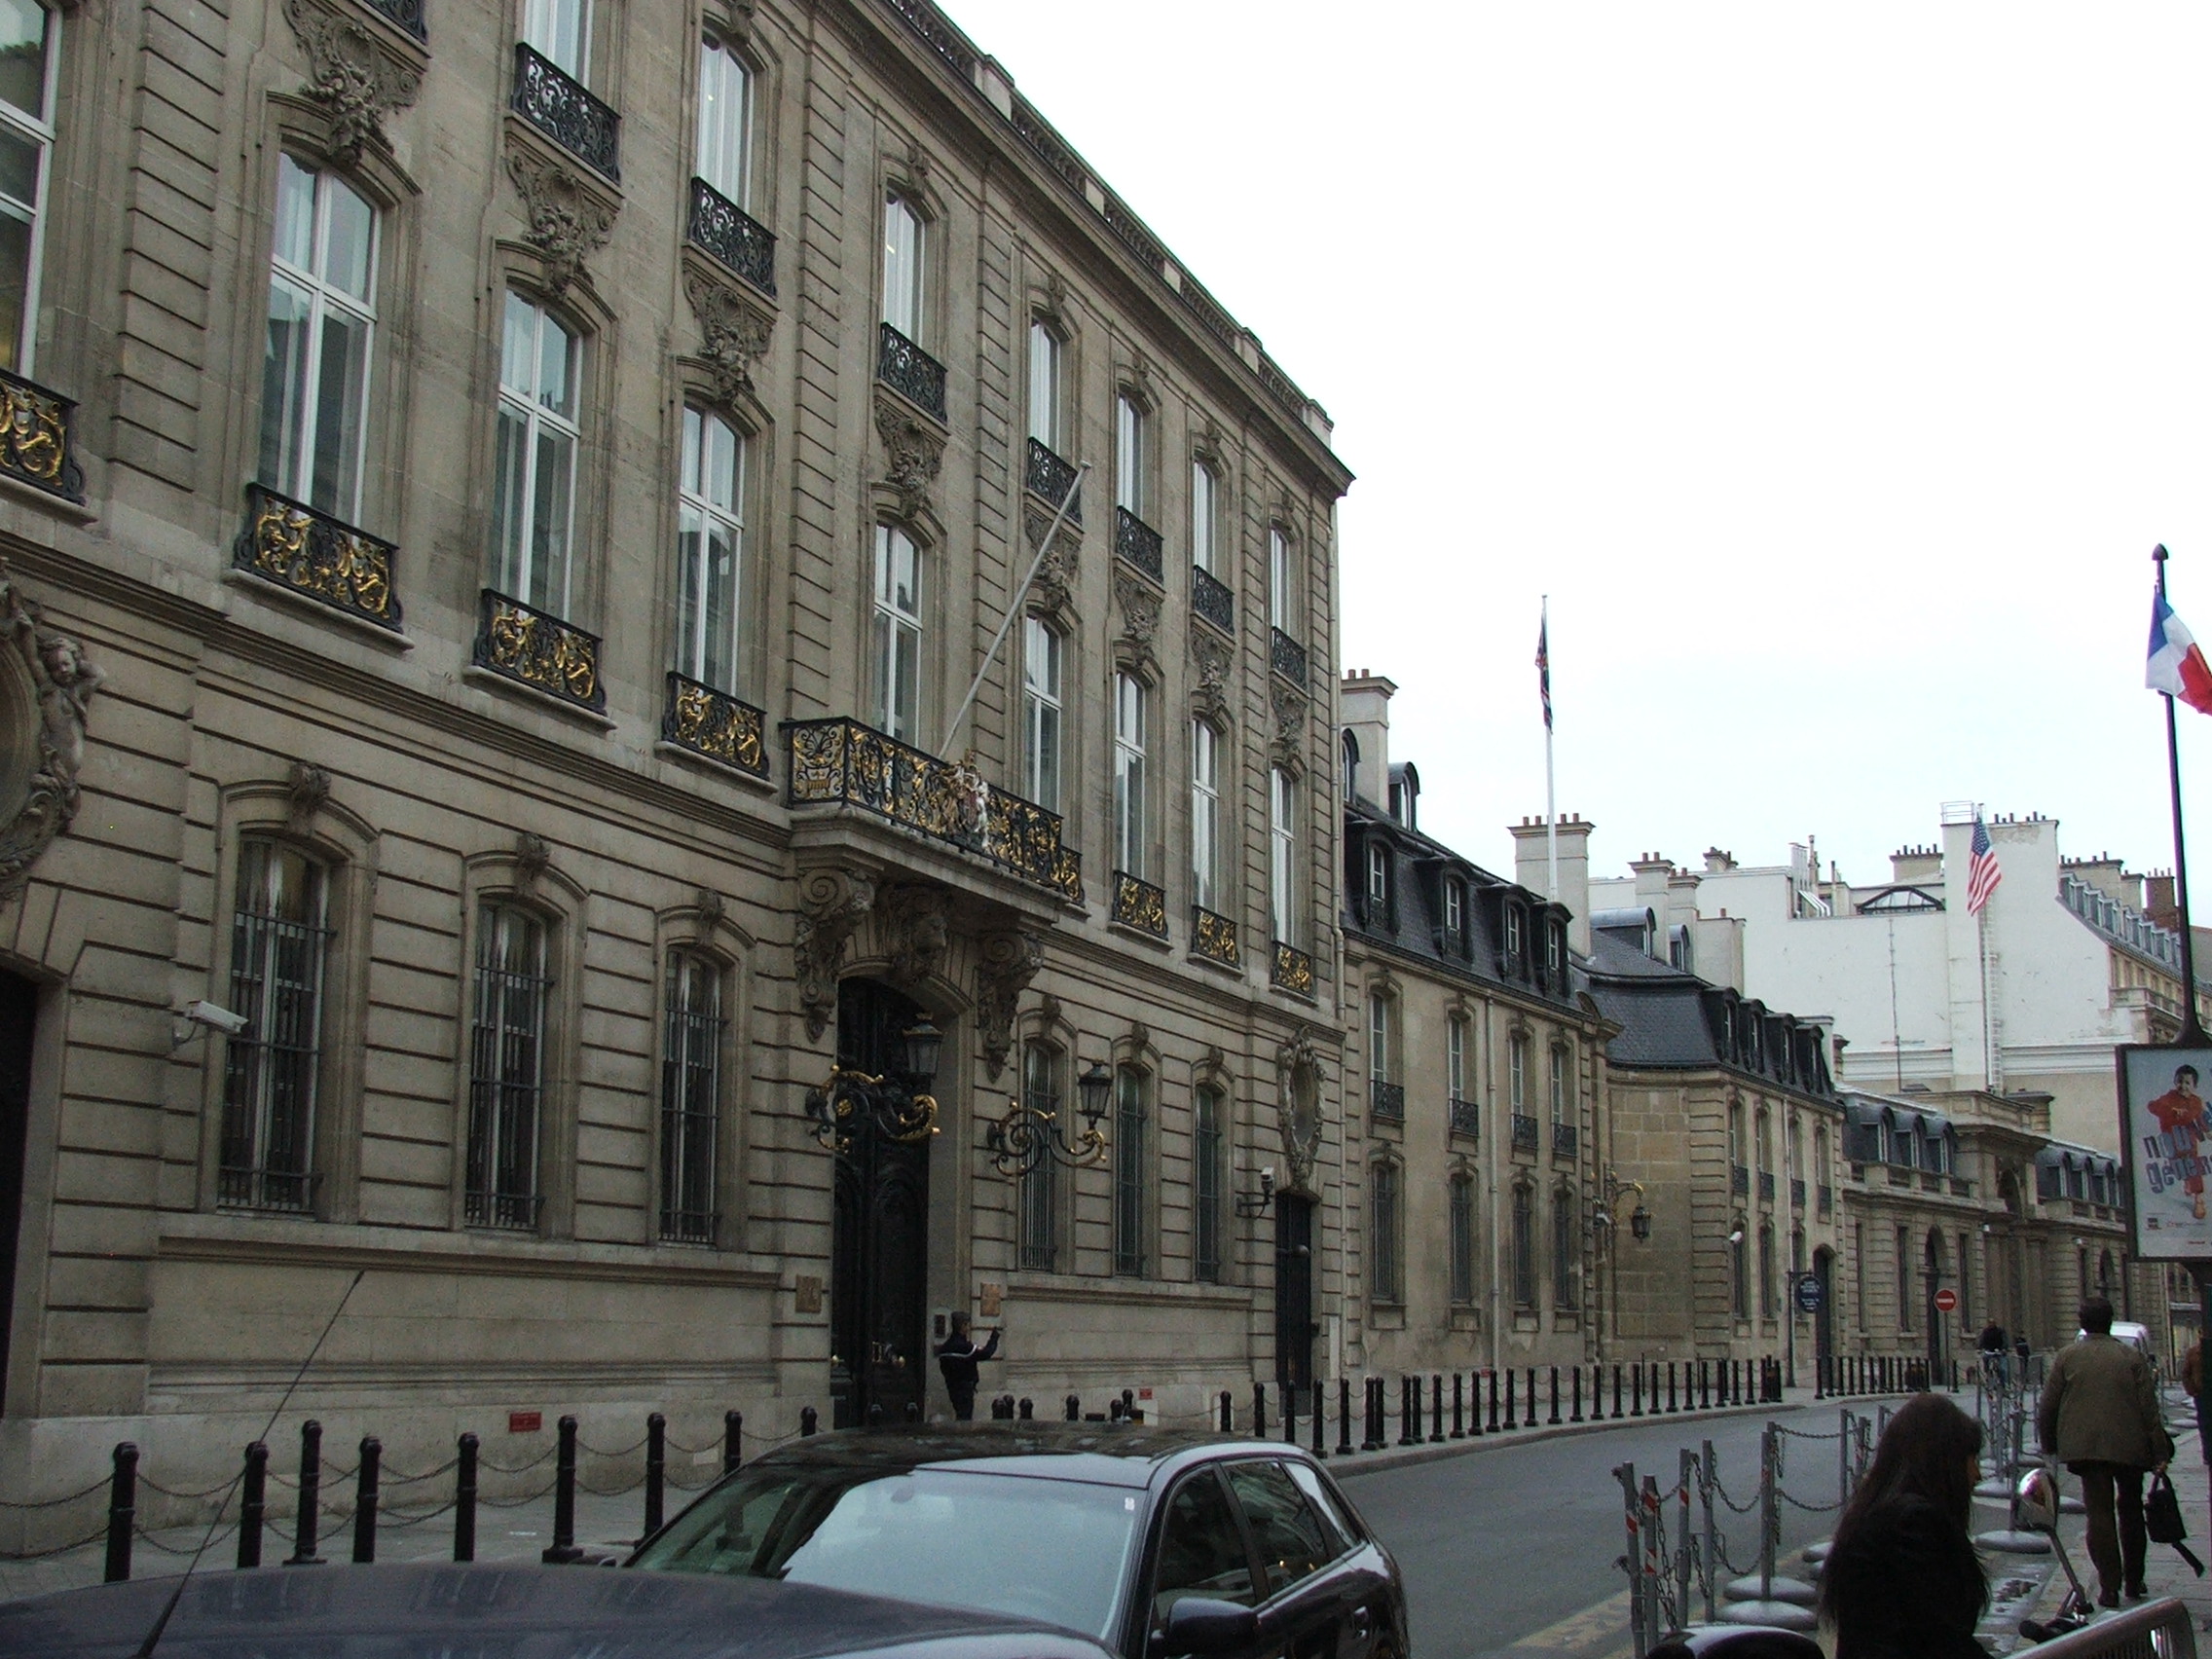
[(690, 1098), (279, 936), (1206, 815), (1385, 1283), (1905, 1279), (315, 370), (1040, 1198), (560, 31), (1281, 613), (1130, 1254), (898, 634), (709, 549), (1513, 936), (507, 1072), (903, 267), (1456, 1057), (1041, 713), (1378, 874), (1523, 1247), (1739, 1275), (1462, 1241), (1769, 1306), (533, 489), (1560, 1089), (1378, 1036), (1283, 858), (1517, 1073), (1045, 386), (1203, 511), (725, 119), (27, 78), (1207, 1187), (1130, 774), (1454, 910), (1130, 491), (1566, 1255)]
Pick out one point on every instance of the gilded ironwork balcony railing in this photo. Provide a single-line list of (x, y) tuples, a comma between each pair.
[(289, 544), (1139, 904), (1564, 1140), (1466, 1117), (715, 724), (1740, 1180), (723, 229), (909, 371), (564, 109), (1386, 1100), (1766, 1185), (1796, 1191), (1048, 476), (1211, 600), (37, 439), (1287, 657), (1137, 542), (841, 760), (1523, 1132), (1213, 937), (1826, 1197), (538, 650), (407, 14), (1292, 969)]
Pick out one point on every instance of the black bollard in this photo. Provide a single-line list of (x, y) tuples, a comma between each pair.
[(1343, 1417), (253, 1505), (875, 1415), (563, 1545), (308, 1524), (1436, 1408), (1474, 1405), (656, 1470), (1226, 1411), (365, 1499), (1636, 1385), (1409, 1411), (1458, 1405), (121, 1511), (913, 1411), (1511, 1422), (733, 1442), (1654, 1388), (1074, 1408), (464, 1502), (1619, 1413), (1024, 1409), (1290, 1411), (1259, 1411), (1368, 1441), (1577, 1414), (809, 1420), (1321, 1400), (1674, 1400), (1554, 1397), (1530, 1421)]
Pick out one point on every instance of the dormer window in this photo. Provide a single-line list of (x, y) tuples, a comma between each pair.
[(1513, 942), (1555, 949), (1454, 910), (1378, 874)]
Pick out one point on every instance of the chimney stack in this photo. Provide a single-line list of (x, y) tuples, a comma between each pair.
[(1531, 868), (1364, 699)]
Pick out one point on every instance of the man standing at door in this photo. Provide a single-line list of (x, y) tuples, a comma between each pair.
[(958, 1356), (2100, 1414)]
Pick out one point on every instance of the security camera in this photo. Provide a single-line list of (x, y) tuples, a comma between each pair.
[(208, 1014), (1737, 1237)]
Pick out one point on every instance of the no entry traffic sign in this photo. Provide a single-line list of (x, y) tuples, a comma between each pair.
[(1947, 1302)]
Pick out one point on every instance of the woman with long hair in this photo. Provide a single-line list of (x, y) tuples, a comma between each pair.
[(1903, 1579)]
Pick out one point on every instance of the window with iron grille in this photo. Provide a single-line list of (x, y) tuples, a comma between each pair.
[(690, 1098), (1385, 1280), (507, 1074), (1769, 1303), (1523, 1246), (1129, 1118), (1206, 1186), (1039, 1195), (1566, 1256), (279, 937), (1462, 1240)]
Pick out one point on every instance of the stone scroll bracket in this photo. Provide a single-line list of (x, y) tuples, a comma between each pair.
[(1298, 1106), (46, 693), (736, 332), (832, 903), (570, 219), (354, 76), (1007, 962)]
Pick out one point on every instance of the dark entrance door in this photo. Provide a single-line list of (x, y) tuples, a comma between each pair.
[(19, 1014), (1294, 1291), (879, 1235)]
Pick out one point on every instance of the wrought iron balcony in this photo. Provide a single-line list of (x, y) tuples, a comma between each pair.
[(1466, 1117), (1796, 1193), (1292, 970), (265, 1189), (1740, 1180), (1523, 1132), (1766, 1185), (540, 651), (1386, 1101), (909, 371), (407, 14), (843, 761), (1564, 1140), (1139, 904), (289, 544), (564, 109), (1048, 476), (1137, 542), (1213, 937), (715, 724), (1211, 600), (1826, 1200), (731, 235), (1287, 657), (513, 1212), (690, 1227), (38, 438)]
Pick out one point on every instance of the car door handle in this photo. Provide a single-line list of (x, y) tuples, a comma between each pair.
[(1362, 1623)]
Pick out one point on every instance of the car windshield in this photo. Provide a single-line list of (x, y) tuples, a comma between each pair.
[(1040, 1549)]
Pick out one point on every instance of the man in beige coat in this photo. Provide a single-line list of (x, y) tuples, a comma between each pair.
[(2100, 1417)]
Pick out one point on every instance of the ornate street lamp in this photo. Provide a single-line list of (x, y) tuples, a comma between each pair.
[(852, 1101), (1640, 1219), (1027, 1136)]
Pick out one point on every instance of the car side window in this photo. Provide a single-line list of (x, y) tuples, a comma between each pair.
[(1201, 1549), (1336, 1530), (1284, 1530)]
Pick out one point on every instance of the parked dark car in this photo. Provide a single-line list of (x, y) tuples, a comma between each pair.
[(438, 1611), (1153, 1542)]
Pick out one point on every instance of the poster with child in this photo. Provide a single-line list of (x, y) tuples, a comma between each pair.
[(2167, 1146)]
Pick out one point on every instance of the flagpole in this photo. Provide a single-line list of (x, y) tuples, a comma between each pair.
[(2192, 1033), (1551, 804)]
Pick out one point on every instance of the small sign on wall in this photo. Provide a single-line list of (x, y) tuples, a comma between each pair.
[(806, 1293), (991, 1297), (526, 1422)]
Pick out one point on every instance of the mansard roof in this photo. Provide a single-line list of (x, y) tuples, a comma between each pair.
[(1671, 1020)]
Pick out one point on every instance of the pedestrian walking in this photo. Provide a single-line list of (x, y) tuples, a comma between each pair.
[(1992, 1347), (957, 1357), (2193, 1379), (2099, 1415), (1902, 1577)]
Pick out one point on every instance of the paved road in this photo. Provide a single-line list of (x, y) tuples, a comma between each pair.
[(1510, 1549)]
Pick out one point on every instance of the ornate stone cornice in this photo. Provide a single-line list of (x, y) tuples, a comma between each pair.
[(1210, 660), (568, 223), (1291, 715), (351, 76)]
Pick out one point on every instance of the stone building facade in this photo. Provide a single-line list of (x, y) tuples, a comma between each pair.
[(500, 615)]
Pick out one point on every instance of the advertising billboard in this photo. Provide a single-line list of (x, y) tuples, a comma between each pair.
[(2167, 1147)]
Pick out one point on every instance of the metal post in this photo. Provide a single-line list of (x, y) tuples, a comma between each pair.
[(656, 1470), (1770, 1507), (1576, 1416), (1510, 1421), (1459, 1402), (1026, 1408), (1651, 1564), (1409, 1411), (563, 1546), (1632, 1561), (365, 1499), (1843, 1460), (1531, 1421), (1343, 1417), (1617, 1413), (733, 1442), (1493, 1401), (1705, 1385), (1673, 1401), (1259, 1411), (1227, 1410), (1375, 1428), (1682, 1565), (1290, 1411), (464, 1502), (122, 1512), (1555, 1394), (1709, 1562), (1320, 1419), (1075, 1410), (810, 1421), (253, 1505), (1637, 1383), (1435, 1407), (308, 1524)]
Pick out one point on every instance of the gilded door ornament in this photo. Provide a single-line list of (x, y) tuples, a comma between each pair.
[(832, 903), (1008, 962), (46, 689), (353, 78), (1298, 1106)]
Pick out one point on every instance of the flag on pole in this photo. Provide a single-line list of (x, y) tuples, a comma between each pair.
[(1544, 664), (1982, 874), (2176, 665)]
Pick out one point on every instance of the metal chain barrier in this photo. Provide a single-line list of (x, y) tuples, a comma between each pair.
[(99, 1484)]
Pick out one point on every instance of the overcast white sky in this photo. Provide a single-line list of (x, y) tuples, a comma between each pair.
[(1835, 370)]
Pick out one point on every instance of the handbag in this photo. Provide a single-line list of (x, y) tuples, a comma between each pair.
[(2161, 1519)]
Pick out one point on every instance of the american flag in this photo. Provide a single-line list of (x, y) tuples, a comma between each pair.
[(1544, 664), (1982, 874)]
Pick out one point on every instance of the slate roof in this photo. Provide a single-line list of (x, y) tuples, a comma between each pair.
[(1671, 1020)]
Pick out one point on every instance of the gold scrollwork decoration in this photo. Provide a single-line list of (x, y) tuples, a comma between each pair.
[(1293, 969), (715, 724), (541, 650), (1140, 904), (1213, 937), (34, 437), (296, 547)]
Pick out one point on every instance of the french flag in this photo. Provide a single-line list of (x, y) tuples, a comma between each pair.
[(2176, 665)]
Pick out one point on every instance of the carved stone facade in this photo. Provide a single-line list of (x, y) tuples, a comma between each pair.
[(569, 220)]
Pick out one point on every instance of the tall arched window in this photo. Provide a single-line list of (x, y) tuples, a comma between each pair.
[(1462, 1240), (1208, 1150), (1282, 856), (1132, 724), (1524, 1246), (1738, 1272), (1282, 604), (506, 1077), (690, 1098), (1204, 510), (725, 121), (902, 267), (1562, 1085), (1455, 1058), (1386, 1275), (1038, 1196), (1041, 713), (315, 378), (1768, 1306), (1206, 815), (279, 938), (1517, 1073), (1044, 384), (534, 481), (1132, 458), (709, 549), (1130, 1204), (898, 643), (1567, 1254)]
